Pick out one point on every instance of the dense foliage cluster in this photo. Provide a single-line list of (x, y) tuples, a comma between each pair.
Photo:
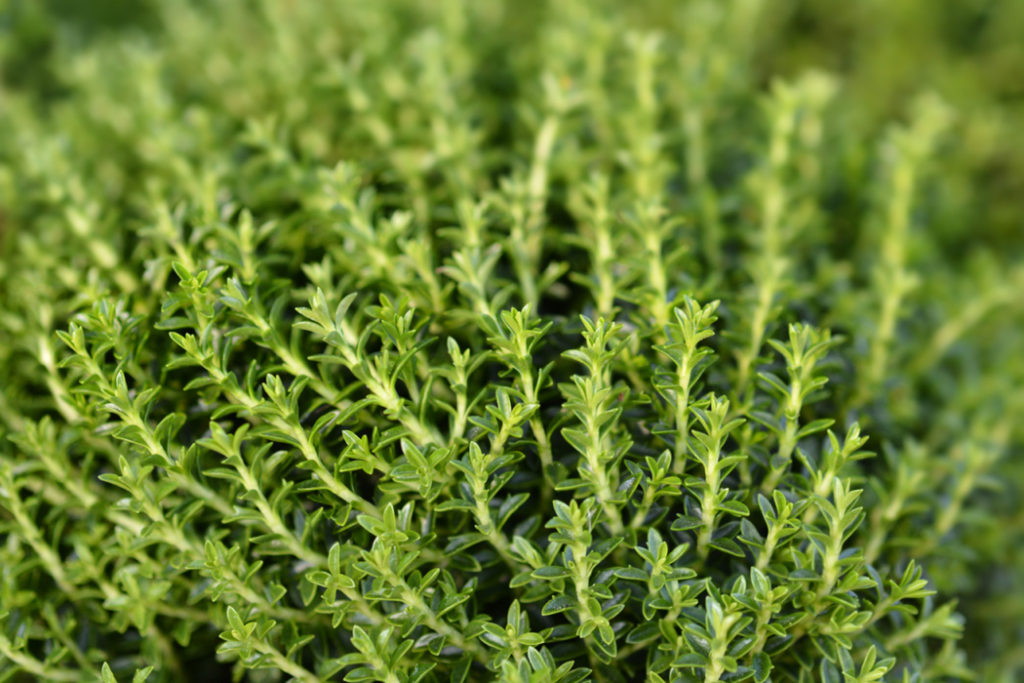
[(531, 341)]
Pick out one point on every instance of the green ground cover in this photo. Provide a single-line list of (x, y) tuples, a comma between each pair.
[(519, 341)]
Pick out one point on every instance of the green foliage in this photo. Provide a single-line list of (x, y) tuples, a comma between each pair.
[(533, 342)]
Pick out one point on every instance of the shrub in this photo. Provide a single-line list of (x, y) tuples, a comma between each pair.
[(532, 342)]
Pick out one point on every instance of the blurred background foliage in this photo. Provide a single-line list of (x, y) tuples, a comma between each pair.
[(970, 52)]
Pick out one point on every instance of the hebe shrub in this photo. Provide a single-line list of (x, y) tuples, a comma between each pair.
[(543, 342)]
